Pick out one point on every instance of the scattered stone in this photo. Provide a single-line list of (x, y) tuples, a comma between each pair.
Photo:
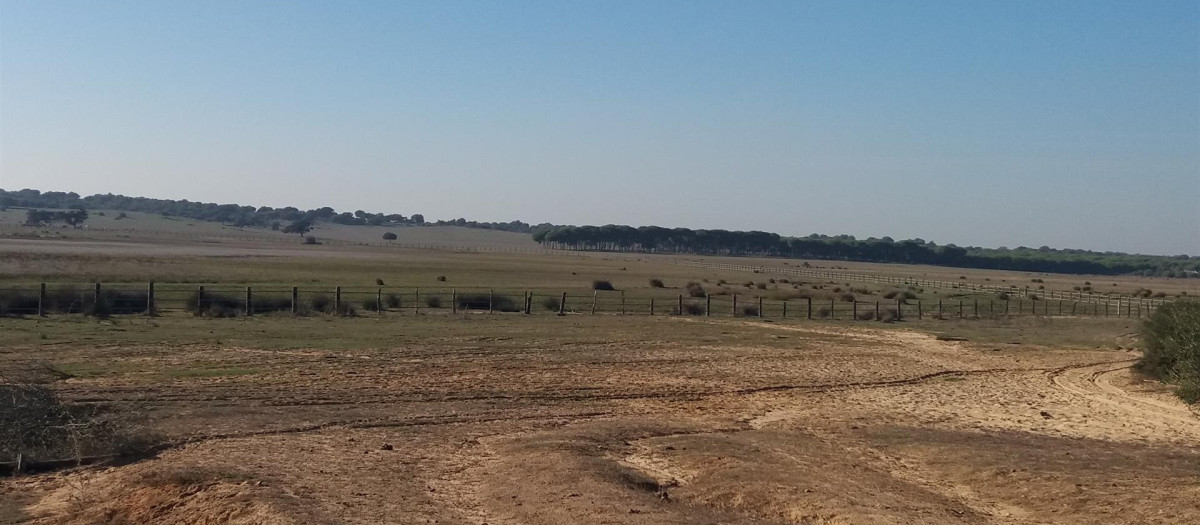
[(1046, 415), (386, 446)]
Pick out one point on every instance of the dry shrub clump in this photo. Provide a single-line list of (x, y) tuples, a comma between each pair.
[(46, 432), (657, 283), (1172, 340), (602, 285), (694, 289)]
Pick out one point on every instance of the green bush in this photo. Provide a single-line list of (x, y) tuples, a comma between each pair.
[(480, 301), (657, 283), (602, 285), (1172, 347)]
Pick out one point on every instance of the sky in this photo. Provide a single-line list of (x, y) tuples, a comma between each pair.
[(1001, 123)]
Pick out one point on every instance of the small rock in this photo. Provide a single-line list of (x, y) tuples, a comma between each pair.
[(1046, 415), (386, 446)]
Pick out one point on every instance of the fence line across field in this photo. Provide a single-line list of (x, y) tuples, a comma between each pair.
[(231, 301)]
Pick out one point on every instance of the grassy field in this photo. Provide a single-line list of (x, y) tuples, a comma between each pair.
[(505, 418)]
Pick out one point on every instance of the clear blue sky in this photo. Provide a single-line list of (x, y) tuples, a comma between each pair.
[(1070, 124)]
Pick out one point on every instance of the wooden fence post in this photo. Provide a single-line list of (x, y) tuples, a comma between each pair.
[(622, 301), (940, 316), (199, 300), (734, 309), (595, 295), (562, 305), (42, 300), (96, 308), (899, 310), (337, 300), (832, 310), (651, 307), (976, 307), (784, 309), (416, 301), (920, 311), (960, 309), (760, 306), (877, 310), (379, 300), (680, 305), (149, 299), (707, 305), (809, 307), (249, 302), (491, 301), (854, 309), (295, 300)]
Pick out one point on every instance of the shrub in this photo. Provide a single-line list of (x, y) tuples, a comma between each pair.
[(602, 285), (551, 303), (694, 289), (837, 289), (784, 281), (214, 305), (690, 309), (750, 310), (1172, 347), (902, 295), (379, 282), (321, 303), (479, 301), (370, 305), (1036, 281), (721, 282), (822, 312), (441, 278), (772, 281), (657, 283), (39, 426), (848, 297), (15, 303), (310, 240), (761, 286), (389, 236), (433, 301), (889, 315), (866, 315), (273, 303), (392, 300)]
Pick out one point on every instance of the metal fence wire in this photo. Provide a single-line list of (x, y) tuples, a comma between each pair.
[(219, 300)]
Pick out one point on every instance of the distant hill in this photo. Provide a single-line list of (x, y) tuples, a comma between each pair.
[(235, 214), (646, 238)]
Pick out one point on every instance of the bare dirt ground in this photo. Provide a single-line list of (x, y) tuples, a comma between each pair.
[(506, 420)]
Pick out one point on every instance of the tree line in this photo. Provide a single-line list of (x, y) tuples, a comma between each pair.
[(74, 218), (288, 219), (848, 248)]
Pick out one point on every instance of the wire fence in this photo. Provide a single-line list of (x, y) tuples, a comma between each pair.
[(103, 300)]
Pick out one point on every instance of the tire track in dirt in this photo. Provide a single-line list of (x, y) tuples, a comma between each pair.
[(1092, 382)]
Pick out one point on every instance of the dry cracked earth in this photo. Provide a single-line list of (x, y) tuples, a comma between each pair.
[(649, 421)]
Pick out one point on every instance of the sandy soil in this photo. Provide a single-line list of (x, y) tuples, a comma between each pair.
[(770, 423)]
